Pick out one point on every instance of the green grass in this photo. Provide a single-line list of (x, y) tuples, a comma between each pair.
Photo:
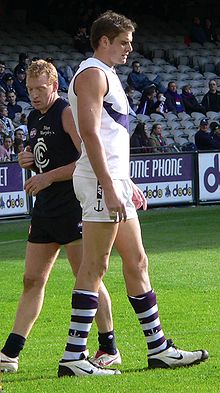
[(184, 253)]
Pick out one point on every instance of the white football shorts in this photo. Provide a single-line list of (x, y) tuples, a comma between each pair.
[(91, 196)]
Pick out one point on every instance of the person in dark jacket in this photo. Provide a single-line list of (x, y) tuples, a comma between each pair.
[(23, 62), (147, 101), (197, 33), (14, 109), (211, 100), (6, 82), (203, 138), (139, 141), (19, 85), (160, 105), (191, 103), (210, 31), (139, 81), (174, 100), (215, 134)]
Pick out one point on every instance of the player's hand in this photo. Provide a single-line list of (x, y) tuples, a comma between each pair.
[(138, 197), (26, 158), (115, 206), (37, 183)]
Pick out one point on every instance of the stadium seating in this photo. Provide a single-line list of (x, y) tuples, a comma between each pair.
[(160, 52)]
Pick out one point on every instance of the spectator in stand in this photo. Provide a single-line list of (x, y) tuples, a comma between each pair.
[(203, 138), (6, 82), (19, 143), (174, 101), (82, 40), (2, 132), (139, 81), (160, 105), (63, 85), (18, 147), (23, 62), (147, 101), (213, 125), (211, 100), (197, 33), (19, 85), (18, 134), (129, 91), (6, 150), (2, 69), (66, 72), (14, 110), (23, 126), (139, 141), (2, 98), (210, 31), (6, 121), (156, 140), (190, 102), (215, 134)]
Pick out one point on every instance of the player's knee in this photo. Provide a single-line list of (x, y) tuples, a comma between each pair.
[(33, 282), (103, 266), (137, 265), (143, 263)]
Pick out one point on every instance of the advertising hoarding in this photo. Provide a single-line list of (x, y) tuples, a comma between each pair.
[(209, 176), (164, 179), (13, 199)]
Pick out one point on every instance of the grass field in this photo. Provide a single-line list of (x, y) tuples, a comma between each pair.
[(183, 245)]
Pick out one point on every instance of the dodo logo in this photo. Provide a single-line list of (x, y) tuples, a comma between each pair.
[(17, 202), (212, 172)]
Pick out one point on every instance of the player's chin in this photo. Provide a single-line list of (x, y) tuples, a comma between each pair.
[(37, 105), (124, 59)]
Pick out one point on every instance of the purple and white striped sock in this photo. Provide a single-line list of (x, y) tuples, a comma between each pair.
[(84, 307), (145, 307)]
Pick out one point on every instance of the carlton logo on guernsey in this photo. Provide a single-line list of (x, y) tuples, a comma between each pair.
[(39, 149), (114, 124)]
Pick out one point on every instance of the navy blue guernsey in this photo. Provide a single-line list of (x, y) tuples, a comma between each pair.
[(52, 148)]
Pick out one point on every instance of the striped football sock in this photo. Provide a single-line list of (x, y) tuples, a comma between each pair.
[(145, 307), (84, 307)]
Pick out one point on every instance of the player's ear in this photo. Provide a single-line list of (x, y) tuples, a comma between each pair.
[(104, 40), (55, 85)]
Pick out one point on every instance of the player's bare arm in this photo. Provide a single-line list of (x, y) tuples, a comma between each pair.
[(43, 180), (70, 128)]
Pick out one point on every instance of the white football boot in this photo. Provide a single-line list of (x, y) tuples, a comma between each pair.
[(173, 357), (104, 359), (83, 367), (8, 364)]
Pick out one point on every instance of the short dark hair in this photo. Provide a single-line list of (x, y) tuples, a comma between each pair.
[(23, 56), (111, 25), (135, 62)]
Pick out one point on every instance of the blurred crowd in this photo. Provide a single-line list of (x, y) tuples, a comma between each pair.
[(154, 97)]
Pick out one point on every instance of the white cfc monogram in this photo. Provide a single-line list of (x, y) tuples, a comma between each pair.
[(39, 150)]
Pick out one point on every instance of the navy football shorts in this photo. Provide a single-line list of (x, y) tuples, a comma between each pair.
[(61, 230)]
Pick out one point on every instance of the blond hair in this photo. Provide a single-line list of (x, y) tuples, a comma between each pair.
[(39, 67)]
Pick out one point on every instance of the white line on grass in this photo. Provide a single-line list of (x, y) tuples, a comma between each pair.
[(12, 241)]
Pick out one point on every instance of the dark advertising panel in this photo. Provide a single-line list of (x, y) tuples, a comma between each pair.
[(13, 199), (164, 179)]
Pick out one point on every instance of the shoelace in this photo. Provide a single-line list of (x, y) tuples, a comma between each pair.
[(170, 343)]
